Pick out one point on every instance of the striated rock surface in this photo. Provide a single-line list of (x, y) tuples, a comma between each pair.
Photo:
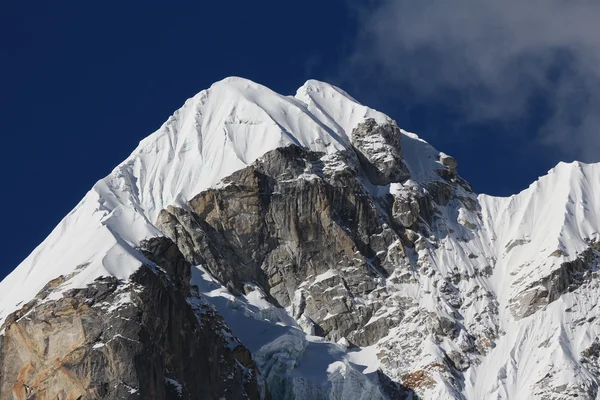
[(303, 227)]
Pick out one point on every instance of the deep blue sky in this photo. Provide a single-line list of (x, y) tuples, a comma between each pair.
[(82, 83)]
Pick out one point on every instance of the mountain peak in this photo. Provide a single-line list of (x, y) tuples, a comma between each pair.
[(218, 131), (327, 89), (246, 201)]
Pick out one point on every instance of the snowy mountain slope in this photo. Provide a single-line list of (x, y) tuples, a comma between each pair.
[(467, 296), (549, 223), (533, 234), (218, 131)]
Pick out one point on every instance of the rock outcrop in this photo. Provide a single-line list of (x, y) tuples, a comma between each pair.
[(115, 340), (379, 150), (300, 225), (569, 276)]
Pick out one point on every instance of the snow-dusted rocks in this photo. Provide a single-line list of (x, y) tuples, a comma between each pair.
[(379, 149), (447, 161), (317, 251), (406, 209)]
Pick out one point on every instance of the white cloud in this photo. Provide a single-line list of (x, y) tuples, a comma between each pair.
[(501, 56)]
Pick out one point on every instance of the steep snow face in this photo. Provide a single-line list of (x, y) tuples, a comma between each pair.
[(532, 235), (547, 224)]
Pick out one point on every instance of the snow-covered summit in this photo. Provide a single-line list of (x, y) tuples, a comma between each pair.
[(228, 126), (218, 131)]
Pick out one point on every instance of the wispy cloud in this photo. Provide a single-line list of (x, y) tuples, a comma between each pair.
[(503, 58)]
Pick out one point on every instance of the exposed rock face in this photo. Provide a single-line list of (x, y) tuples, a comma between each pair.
[(295, 221), (406, 210), (165, 254), (305, 227), (567, 278), (112, 340), (379, 151)]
